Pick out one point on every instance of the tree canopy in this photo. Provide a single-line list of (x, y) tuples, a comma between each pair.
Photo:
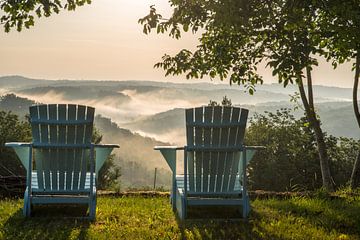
[(290, 161), (21, 13), (238, 35)]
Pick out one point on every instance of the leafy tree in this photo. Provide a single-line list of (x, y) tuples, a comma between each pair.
[(11, 102), (21, 13), (340, 25), (237, 36), (225, 102), (290, 161)]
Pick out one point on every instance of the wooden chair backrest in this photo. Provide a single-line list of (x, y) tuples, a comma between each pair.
[(61, 139), (214, 137)]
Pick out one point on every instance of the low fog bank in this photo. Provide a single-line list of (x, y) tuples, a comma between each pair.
[(138, 116)]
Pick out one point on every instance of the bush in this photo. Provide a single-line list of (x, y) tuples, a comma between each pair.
[(290, 161), (12, 130)]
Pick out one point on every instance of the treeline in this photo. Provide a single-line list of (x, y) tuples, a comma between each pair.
[(290, 161)]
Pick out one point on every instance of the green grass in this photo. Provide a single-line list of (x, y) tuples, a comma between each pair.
[(152, 218)]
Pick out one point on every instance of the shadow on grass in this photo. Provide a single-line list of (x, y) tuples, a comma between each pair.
[(329, 214), (48, 222), (220, 223)]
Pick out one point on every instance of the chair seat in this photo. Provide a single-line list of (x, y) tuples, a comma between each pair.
[(234, 192), (57, 190)]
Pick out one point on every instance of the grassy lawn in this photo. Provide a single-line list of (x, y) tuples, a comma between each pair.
[(152, 218)]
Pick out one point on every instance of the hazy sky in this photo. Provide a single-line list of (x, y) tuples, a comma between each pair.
[(103, 41)]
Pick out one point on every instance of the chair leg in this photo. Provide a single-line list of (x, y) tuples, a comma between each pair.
[(92, 207), (183, 213), (180, 205), (173, 197), (27, 204), (246, 207)]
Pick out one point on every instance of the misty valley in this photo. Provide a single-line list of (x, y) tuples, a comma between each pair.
[(139, 115)]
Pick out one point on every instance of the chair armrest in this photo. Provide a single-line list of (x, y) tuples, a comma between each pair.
[(102, 151), (18, 144), (250, 152), (254, 147), (168, 148), (169, 153), (106, 146), (22, 150)]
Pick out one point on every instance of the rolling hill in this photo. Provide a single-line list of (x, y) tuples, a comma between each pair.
[(136, 156)]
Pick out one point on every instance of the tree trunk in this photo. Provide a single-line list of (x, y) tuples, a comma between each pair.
[(310, 88), (355, 175), (319, 136)]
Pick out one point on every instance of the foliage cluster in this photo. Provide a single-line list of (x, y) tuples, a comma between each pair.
[(290, 161), (287, 35), (12, 130), (19, 14)]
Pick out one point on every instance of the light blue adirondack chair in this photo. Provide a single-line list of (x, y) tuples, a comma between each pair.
[(215, 160), (61, 163)]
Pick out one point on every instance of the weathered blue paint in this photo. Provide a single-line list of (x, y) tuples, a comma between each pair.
[(215, 160), (66, 162)]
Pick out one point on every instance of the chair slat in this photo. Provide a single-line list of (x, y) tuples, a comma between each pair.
[(80, 133), (89, 127), (44, 138), (84, 168), (227, 155), (63, 122), (46, 168), (190, 140), (234, 171), (79, 138), (53, 138), (232, 141), (241, 132), (71, 128), (215, 155), (71, 152), (199, 141), (43, 114), (39, 157), (189, 115), (224, 133), (233, 131), (35, 127), (62, 111), (190, 171), (78, 156), (208, 113)]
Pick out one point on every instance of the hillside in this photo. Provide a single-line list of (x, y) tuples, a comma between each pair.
[(337, 119), (13, 103), (136, 156), (320, 92)]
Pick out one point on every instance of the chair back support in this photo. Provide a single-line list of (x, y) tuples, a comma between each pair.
[(61, 140), (214, 138)]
